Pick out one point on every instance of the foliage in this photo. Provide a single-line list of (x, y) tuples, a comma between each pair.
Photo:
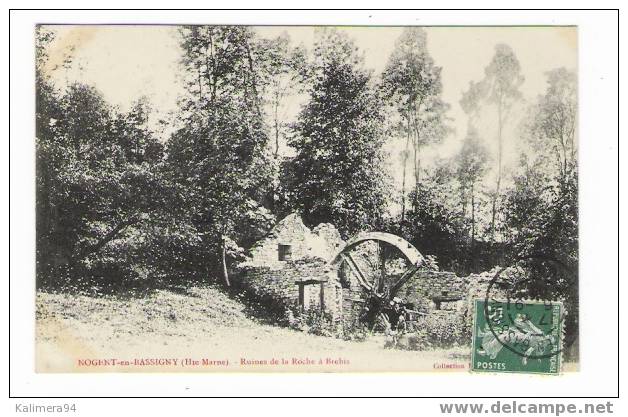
[(431, 224), (446, 330), (99, 178), (470, 167), (219, 155), (337, 174), (312, 321), (283, 71), (543, 224), (411, 83), (500, 86), (355, 330), (436, 330), (271, 308), (551, 123), (498, 89), (262, 304)]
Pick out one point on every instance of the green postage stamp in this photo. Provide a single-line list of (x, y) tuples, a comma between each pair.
[(517, 336)]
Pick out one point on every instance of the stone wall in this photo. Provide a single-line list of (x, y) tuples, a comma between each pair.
[(427, 286), (264, 272), (353, 295), (283, 283), (477, 288), (322, 242)]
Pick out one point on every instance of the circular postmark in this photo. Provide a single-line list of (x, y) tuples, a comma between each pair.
[(520, 311)]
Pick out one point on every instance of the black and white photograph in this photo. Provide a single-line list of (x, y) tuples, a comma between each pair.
[(214, 198)]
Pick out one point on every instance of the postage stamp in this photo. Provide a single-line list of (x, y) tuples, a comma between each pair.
[(517, 336)]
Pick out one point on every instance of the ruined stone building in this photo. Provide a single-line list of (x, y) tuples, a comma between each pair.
[(290, 262), (294, 263)]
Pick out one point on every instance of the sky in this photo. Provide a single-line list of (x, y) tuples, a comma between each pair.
[(127, 62)]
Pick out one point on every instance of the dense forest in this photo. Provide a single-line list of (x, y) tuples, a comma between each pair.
[(122, 202)]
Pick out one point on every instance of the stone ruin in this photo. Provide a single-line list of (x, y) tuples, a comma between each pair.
[(291, 264)]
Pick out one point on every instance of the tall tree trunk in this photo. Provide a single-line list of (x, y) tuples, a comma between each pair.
[(211, 74), (472, 244), (564, 161), (417, 144), (382, 266), (200, 83), (416, 176), (256, 99), (225, 274), (276, 125), (403, 181), (500, 123), (472, 215), (418, 162)]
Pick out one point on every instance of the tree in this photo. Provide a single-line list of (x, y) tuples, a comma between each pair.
[(541, 217), (412, 83), (541, 208), (98, 182), (283, 70), (471, 165), (432, 225), (499, 89), (337, 174), (551, 126), (218, 155)]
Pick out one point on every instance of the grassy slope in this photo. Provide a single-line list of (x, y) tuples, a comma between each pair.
[(200, 322)]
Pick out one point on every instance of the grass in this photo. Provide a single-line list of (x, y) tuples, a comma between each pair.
[(200, 322)]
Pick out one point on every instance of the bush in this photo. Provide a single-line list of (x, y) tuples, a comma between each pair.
[(445, 329), (355, 330), (311, 321), (264, 305), (439, 329)]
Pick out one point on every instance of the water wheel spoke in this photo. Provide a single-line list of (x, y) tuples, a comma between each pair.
[(404, 278), (382, 267), (378, 285), (356, 270)]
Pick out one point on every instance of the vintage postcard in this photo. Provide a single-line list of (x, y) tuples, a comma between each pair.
[(306, 199)]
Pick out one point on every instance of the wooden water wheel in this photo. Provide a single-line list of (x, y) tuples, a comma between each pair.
[(374, 277)]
